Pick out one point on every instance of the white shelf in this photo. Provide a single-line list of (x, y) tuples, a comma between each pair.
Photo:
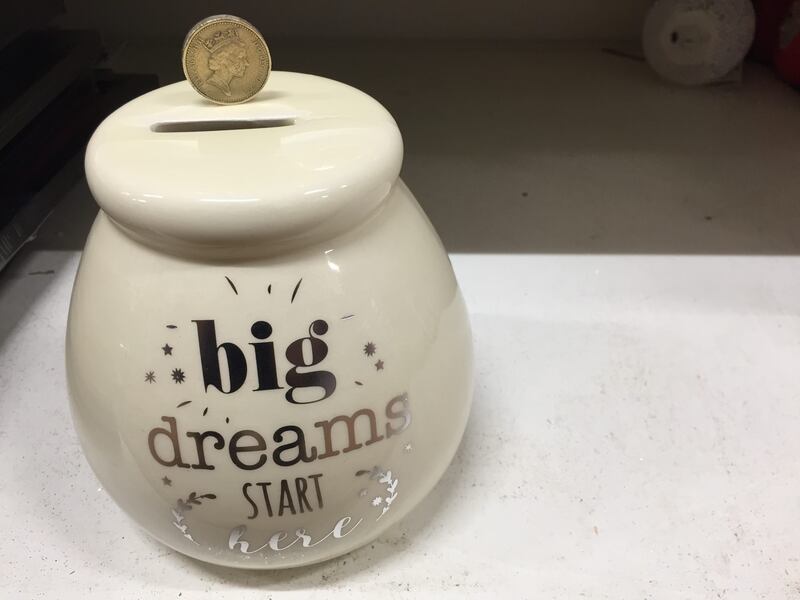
[(634, 432), (561, 147)]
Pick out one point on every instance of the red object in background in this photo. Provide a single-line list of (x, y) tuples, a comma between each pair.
[(769, 16), (787, 51)]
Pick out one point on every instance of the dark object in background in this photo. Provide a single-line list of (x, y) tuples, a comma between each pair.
[(52, 97), (769, 15), (27, 16), (787, 54), (777, 40)]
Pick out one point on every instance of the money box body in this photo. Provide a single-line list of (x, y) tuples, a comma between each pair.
[(268, 355)]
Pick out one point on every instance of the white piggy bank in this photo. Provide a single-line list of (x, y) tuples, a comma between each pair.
[(269, 358)]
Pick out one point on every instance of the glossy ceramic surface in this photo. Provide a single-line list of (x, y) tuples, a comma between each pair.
[(268, 355)]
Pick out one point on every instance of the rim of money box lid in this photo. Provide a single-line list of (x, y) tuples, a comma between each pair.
[(308, 156)]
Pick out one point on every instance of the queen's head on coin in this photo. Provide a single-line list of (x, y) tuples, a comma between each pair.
[(227, 59)]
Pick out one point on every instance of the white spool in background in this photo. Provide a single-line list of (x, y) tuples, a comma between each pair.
[(693, 42)]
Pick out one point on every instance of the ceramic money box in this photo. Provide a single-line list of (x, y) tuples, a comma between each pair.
[(269, 358)]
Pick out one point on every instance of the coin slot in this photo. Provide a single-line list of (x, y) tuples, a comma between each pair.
[(230, 125)]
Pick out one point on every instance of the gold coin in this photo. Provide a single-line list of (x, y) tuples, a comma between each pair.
[(226, 59)]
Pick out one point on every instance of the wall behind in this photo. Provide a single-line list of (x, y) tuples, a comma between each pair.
[(435, 19)]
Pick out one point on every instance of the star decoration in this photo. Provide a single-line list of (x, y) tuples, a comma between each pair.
[(369, 348), (376, 501), (166, 480), (150, 377), (379, 365), (167, 349), (407, 447), (178, 376)]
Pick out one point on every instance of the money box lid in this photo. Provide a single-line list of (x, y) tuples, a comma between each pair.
[(307, 156)]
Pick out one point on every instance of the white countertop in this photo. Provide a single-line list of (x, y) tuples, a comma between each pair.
[(635, 431), (634, 434)]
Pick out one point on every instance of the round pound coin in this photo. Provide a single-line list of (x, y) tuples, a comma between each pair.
[(226, 59)]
